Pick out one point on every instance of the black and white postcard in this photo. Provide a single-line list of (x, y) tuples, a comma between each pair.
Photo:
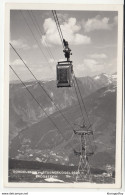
[(63, 95)]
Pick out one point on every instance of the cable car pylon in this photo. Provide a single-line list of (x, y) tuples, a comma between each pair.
[(84, 172)]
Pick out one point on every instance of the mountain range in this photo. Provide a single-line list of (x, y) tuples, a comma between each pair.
[(33, 136)]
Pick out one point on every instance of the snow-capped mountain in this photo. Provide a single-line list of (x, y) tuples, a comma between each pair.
[(42, 142), (106, 79), (25, 112)]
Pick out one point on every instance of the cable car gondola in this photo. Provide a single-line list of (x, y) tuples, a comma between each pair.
[(65, 68), (64, 74)]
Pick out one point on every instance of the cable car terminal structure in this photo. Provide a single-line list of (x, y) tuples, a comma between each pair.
[(66, 78)]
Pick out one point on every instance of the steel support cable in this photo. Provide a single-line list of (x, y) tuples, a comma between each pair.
[(35, 24), (54, 12), (79, 102), (38, 30), (83, 118), (34, 21), (76, 83), (34, 36), (58, 24), (82, 99), (38, 104), (85, 111), (34, 75), (58, 28), (90, 124), (41, 34), (34, 98), (43, 88), (82, 114), (55, 15), (61, 37)]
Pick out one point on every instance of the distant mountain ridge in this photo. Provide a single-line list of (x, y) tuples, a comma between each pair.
[(24, 111), (33, 137)]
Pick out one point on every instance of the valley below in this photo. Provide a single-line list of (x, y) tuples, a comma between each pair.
[(36, 145)]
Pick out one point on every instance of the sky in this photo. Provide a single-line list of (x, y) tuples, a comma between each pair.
[(92, 37)]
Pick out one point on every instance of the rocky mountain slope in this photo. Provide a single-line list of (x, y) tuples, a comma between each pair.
[(34, 137), (24, 111)]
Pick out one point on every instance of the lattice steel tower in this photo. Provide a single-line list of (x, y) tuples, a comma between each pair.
[(84, 173)]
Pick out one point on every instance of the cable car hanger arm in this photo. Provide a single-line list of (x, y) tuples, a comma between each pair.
[(67, 50)]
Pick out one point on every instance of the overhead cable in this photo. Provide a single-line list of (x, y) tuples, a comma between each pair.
[(42, 87), (37, 102)]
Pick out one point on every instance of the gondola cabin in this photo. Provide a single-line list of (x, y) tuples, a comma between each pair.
[(64, 74)]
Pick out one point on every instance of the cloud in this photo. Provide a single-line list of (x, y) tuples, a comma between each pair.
[(97, 23), (106, 46), (89, 67), (90, 62), (45, 71), (20, 44), (69, 29), (62, 17), (98, 56), (17, 62)]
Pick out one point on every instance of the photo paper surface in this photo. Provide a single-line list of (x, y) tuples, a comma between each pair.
[(63, 95)]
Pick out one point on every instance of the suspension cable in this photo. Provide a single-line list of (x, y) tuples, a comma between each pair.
[(82, 115), (34, 97), (34, 75), (38, 103), (34, 21), (79, 102), (86, 113), (42, 88), (33, 36), (58, 23), (58, 28), (61, 37), (82, 99)]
